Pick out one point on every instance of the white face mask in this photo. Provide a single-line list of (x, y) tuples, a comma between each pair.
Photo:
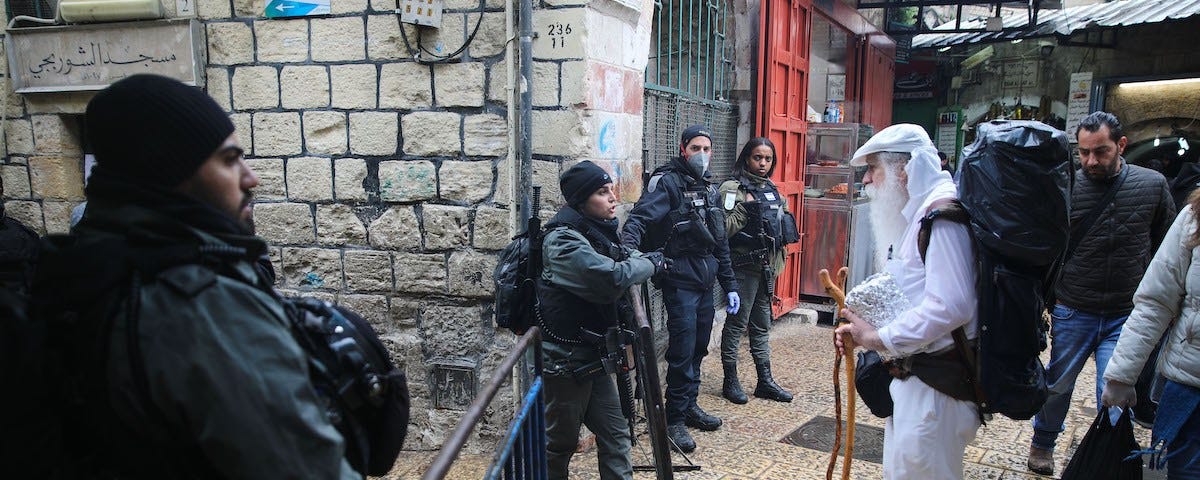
[(698, 163)]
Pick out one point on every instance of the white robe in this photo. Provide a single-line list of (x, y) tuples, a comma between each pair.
[(929, 432)]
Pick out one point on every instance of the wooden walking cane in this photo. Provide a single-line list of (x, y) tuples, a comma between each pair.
[(837, 292)]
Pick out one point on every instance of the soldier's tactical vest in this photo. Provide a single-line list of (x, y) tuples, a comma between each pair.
[(563, 313), (775, 225), (688, 229)]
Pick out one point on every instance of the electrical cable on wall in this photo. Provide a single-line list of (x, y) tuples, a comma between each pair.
[(416, 54)]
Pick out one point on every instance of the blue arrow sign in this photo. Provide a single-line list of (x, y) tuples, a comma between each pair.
[(294, 8)]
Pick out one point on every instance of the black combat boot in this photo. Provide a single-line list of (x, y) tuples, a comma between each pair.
[(681, 440), (731, 389), (766, 385), (696, 418)]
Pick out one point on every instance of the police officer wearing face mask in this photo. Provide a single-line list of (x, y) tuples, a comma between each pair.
[(679, 214)]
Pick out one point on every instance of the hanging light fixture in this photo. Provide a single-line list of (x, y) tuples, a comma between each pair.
[(1183, 145), (1181, 152), (1156, 142)]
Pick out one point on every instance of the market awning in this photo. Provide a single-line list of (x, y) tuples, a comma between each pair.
[(1066, 22)]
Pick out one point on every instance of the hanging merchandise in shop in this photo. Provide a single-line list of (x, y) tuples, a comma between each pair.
[(913, 17)]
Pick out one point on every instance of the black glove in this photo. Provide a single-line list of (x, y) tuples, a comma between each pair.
[(661, 263)]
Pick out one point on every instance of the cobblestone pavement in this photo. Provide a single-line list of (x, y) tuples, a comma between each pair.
[(748, 445)]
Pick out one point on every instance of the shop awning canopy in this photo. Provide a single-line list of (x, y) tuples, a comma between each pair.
[(1065, 22)]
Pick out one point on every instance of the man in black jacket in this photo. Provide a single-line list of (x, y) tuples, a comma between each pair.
[(679, 214), (1095, 294)]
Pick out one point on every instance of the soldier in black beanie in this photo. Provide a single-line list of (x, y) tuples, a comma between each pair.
[(199, 375), (585, 275)]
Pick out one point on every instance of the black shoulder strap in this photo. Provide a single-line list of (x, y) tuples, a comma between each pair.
[(952, 209), (949, 209), (1081, 229)]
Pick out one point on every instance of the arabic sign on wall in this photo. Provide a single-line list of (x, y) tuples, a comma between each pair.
[(295, 8), (1079, 101), (90, 57)]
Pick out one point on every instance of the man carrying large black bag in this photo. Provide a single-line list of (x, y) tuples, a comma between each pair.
[(931, 427), (1008, 227)]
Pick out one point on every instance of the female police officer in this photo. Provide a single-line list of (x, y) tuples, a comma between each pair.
[(759, 226), (585, 275)]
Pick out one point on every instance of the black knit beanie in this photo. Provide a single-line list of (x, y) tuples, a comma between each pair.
[(154, 128), (581, 181)]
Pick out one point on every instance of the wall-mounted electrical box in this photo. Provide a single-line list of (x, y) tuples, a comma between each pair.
[(422, 12), (85, 11)]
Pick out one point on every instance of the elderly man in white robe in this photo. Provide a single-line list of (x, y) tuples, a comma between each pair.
[(928, 433)]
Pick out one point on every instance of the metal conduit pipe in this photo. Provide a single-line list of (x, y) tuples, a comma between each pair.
[(526, 82), (510, 103)]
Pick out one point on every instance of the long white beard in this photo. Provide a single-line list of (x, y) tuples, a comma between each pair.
[(887, 223)]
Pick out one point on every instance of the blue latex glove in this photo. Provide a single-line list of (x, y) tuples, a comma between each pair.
[(733, 304)]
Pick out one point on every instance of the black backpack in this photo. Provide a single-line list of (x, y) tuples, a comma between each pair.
[(351, 368), (1015, 186), (517, 270), (515, 278)]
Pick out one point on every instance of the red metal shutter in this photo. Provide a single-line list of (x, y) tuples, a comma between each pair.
[(782, 104)]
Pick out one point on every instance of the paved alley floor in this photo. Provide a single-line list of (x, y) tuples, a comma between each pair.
[(749, 446)]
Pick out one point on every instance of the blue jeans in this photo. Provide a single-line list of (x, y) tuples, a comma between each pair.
[(1183, 460), (689, 325), (1074, 336)]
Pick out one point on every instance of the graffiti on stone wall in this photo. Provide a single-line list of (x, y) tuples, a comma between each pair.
[(606, 139), (408, 182)]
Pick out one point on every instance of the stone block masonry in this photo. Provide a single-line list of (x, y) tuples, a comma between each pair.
[(383, 181)]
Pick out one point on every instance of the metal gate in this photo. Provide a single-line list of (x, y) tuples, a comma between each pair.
[(782, 99)]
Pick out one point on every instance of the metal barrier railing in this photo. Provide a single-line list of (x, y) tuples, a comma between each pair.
[(523, 455)]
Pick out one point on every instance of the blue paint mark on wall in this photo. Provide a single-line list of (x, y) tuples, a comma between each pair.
[(606, 139), (312, 279)]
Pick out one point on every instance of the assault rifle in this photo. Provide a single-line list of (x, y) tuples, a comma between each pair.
[(533, 228), (629, 348), (763, 255)]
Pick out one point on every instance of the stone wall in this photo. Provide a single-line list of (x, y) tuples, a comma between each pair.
[(589, 62), (379, 184), (386, 183)]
